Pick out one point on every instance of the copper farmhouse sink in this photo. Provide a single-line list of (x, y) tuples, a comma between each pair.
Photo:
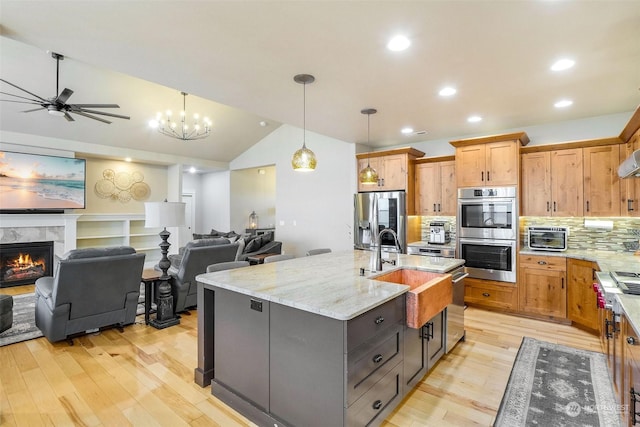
[(428, 295)]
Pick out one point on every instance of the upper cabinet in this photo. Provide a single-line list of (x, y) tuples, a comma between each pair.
[(395, 169), (489, 161), (552, 183), (436, 192), (571, 181)]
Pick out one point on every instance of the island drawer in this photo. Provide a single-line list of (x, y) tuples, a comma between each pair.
[(379, 401), (490, 293), (371, 361), (367, 325)]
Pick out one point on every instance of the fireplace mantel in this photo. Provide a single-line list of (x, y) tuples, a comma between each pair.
[(11, 225)]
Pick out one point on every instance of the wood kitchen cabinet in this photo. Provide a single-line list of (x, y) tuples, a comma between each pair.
[(489, 161), (542, 286), (436, 187), (552, 183), (582, 306), (491, 294), (601, 181), (396, 171), (629, 392), (423, 347)]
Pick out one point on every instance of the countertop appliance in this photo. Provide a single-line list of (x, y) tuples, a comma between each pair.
[(546, 238), (487, 232), (427, 249), (628, 282), (439, 232), (375, 211)]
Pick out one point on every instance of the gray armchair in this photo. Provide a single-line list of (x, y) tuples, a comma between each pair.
[(196, 256), (92, 288)]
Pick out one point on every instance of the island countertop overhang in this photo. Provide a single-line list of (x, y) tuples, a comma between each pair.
[(329, 285)]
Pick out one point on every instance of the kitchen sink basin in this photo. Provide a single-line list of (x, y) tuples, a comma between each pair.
[(429, 293)]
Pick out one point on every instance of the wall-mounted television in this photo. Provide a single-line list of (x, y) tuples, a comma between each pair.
[(38, 183)]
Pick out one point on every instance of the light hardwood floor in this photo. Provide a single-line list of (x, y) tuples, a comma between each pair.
[(144, 376)]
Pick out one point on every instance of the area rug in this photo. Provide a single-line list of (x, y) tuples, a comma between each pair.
[(555, 385), (24, 321)]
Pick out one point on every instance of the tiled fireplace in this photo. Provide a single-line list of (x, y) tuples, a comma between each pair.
[(24, 263)]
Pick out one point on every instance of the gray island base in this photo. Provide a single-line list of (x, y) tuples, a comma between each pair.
[(312, 342)]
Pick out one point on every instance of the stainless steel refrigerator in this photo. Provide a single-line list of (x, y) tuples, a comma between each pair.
[(375, 211)]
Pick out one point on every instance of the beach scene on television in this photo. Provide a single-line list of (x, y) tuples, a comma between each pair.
[(32, 182)]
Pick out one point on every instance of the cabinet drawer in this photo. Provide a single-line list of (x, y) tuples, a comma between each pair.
[(491, 294), (365, 326), (371, 361), (376, 403), (543, 262)]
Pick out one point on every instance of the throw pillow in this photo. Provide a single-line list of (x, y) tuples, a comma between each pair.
[(215, 232), (253, 245), (267, 238), (232, 239)]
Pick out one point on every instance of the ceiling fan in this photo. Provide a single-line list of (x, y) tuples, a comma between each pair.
[(58, 106)]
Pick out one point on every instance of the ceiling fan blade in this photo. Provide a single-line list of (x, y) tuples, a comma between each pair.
[(119, 116), (24, 90), (96, 105), (23, 102), (35, 109), (68, 117), (64, 95), (21, 97), (90, 116)]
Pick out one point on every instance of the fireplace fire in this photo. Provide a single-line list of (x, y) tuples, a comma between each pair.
[(23, 263)]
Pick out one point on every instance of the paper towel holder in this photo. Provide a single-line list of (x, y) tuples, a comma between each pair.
[(598, 224)]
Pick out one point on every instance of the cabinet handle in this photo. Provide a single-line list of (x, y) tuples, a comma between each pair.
[(482, 176), (631, 341), (542, 262), (439, 209), (630, 204), (382, 182), (548, 206), (562, 282), (377, 404), (607, 333), (434, 207), (554, 206), (486, 294), (587, 206), (379, 320), (488, 176), (377, 358)]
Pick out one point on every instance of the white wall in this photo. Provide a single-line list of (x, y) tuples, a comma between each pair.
[(214, 202), (313, 209), (253, 191)]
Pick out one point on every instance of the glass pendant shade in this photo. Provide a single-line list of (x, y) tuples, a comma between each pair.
[(304, 160), (368, 176)]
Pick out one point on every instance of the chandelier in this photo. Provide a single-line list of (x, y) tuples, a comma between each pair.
[(181, 130)]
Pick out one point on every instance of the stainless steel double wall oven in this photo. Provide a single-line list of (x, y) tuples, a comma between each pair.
[(488, 232)]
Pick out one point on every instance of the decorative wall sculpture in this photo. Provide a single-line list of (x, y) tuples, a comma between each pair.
[(122, 186)]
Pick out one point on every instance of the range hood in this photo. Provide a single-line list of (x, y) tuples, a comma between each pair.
[(631, 166)]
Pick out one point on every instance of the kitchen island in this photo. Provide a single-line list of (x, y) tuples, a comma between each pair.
[(309, 341)]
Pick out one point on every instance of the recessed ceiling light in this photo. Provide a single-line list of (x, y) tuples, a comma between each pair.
[(447, 91), (562, 64), (474, 119), (563, 103), (398, 43), (192, 169), (127, 159), (263, 123), (407, 131)]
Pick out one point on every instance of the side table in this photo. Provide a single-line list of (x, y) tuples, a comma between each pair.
[(258, 259), (149, 277)]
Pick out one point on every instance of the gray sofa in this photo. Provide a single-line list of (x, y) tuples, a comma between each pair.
[(91, 288)]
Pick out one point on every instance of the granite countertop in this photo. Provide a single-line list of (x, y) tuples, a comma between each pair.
[(425, 244), (329, 284)]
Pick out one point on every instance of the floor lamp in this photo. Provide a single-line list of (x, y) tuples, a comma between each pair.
[(164, 214)]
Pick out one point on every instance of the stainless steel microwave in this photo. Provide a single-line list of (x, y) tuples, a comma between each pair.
[(547, 238)]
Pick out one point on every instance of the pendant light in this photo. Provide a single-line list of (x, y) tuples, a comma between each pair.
[(368, 175), (304, 160)]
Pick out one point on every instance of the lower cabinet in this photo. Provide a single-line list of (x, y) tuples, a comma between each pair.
[(630, 393), (582, 306), (423, 347), (542, 286), (491, 294)]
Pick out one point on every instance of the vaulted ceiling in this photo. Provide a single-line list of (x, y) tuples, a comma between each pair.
[(237, 60)]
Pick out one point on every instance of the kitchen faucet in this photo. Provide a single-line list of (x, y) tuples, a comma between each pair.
[(376, 263)]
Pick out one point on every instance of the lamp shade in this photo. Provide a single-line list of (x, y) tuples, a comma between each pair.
[(164, 214)]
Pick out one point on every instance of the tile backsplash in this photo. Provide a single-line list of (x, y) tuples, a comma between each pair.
[(622, 238)]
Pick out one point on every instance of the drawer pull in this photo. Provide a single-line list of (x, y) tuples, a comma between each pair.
[(631, 341), (377, 404), (379, 320), (486, 294), (542, 262), (377, 358)]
